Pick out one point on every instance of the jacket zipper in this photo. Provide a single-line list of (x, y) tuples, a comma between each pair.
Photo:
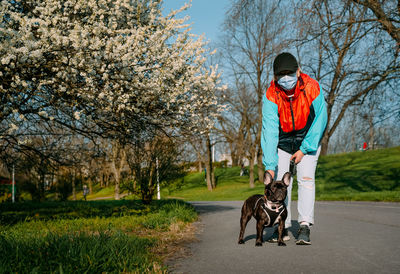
[(291, 111)]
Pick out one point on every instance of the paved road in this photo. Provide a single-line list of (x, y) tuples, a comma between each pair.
[(349, 237)]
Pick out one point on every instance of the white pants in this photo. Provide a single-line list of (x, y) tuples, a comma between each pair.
[(306, 185)]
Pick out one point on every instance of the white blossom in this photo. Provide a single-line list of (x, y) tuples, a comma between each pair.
[(77, 115), (153, 70)]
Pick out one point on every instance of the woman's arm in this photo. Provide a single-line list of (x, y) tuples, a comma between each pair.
[(270, 134), (314, 134)]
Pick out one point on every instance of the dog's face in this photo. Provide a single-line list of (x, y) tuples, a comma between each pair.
[(276, 191)]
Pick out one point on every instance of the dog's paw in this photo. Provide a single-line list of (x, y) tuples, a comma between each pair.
[(258, 244), (281, 244), (241, 242)]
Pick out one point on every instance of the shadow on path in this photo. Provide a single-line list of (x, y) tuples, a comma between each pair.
[(207, 208), (268, 231)]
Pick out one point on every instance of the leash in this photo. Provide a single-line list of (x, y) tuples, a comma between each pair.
[(292, 168)]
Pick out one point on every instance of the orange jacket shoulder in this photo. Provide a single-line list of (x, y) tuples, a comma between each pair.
[(271, 94), (311, 87)]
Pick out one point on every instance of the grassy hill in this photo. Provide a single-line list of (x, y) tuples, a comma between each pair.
[(357, 176)]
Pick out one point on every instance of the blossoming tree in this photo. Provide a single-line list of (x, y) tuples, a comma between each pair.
[(113, 68)]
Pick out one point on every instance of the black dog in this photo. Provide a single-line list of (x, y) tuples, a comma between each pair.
[(268, 210)]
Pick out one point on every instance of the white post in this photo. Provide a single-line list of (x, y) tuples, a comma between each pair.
[(13, 185), (158, 182)]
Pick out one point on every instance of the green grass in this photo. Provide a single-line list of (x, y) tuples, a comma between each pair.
[(230, 186), (75, 253), (91, 237), (357, 176), (98, 192), (360, 176)]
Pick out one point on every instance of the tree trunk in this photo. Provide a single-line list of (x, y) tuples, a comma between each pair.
[(117, 180), (324, 144), (148, 195), (234, 156), (118, 160), (200, 159), (235, 159), (90, 186), (251, 171), (260, 166), (213, 182), (209, 166), (41, 187), (74, 186)]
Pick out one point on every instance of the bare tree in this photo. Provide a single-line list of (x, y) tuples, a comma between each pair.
[(250, 41), (152, 158), (384, 13), (240, 115), (239, 125), (343, 53)]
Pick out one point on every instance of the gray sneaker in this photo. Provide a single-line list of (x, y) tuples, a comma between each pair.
[(274, 237), (304, 236)]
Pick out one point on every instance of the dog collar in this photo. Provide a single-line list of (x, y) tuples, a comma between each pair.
[(274, 206)]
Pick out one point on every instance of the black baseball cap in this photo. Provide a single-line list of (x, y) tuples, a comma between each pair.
[(285, 62)]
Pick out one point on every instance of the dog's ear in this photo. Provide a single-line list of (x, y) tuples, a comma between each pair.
[(286, 178), (267, 178)]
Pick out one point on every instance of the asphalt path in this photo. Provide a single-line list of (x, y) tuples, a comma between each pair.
[(348, 237)]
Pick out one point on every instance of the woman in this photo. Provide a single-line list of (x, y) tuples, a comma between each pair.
[(294, 120)]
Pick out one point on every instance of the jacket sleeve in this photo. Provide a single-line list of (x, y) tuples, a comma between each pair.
[(314, 134), (269, 134)]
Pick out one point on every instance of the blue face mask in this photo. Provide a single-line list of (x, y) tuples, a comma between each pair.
[(288, 82)]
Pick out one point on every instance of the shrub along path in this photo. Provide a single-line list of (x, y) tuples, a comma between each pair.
[(349, 237)]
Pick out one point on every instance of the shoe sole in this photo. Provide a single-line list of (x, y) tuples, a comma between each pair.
[(303, 242), (285, 239)]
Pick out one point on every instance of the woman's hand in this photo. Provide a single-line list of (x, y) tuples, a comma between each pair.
[(272, 173), (297, 156)]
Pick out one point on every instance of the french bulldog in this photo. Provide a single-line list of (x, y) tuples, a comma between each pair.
[(268, 209)]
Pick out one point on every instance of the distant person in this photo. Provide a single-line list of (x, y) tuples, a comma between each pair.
[(85, 191), (294, 119), (365, 146)]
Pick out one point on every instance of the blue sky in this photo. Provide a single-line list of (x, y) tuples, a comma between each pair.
[(206, 16)]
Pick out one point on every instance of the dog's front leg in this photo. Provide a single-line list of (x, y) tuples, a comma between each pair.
[(260, 229), (280, 232)]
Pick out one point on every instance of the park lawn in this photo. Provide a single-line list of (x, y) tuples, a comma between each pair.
[(91, 237), (230, 186), (358, 176)]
